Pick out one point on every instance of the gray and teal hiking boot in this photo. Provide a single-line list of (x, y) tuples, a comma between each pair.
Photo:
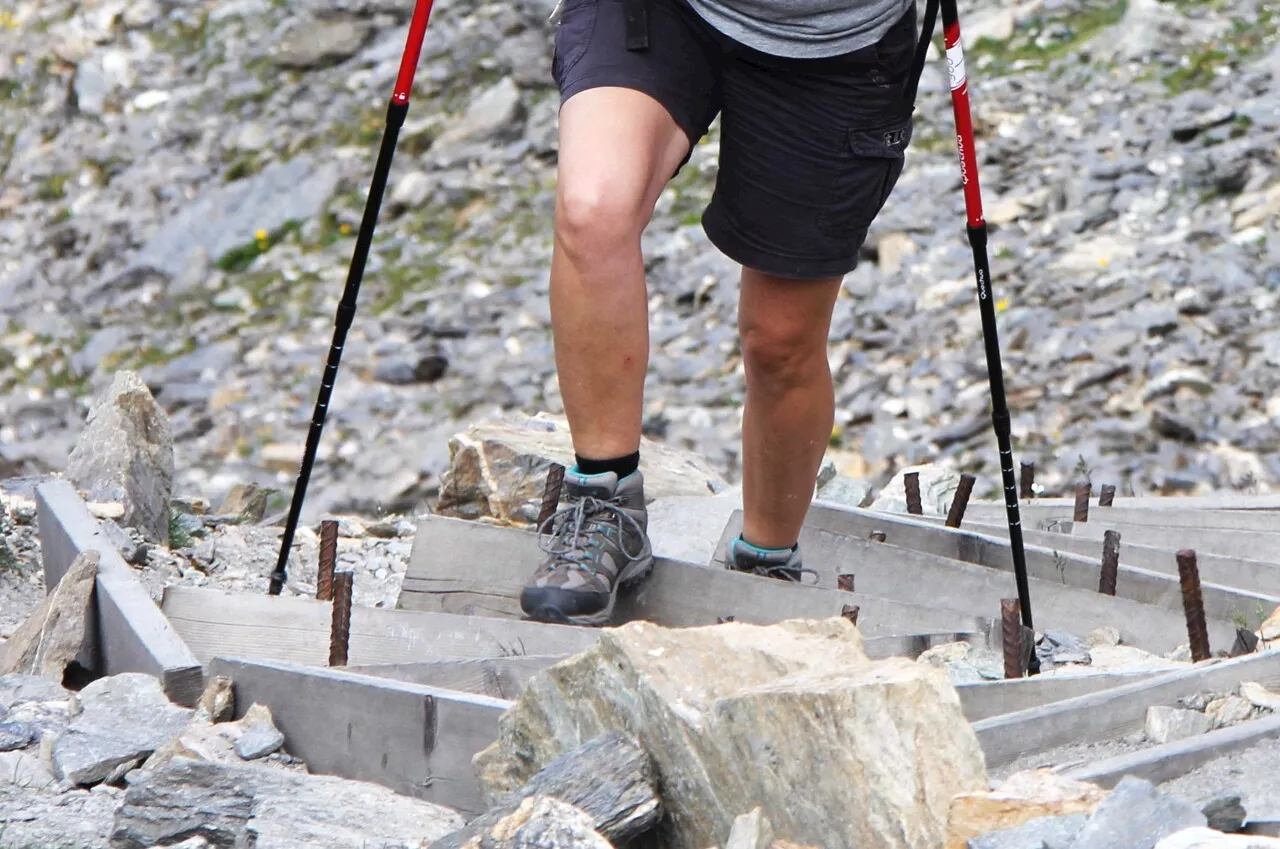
[(784, 564), (596, 545)]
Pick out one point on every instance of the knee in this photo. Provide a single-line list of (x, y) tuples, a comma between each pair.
[(781, 353), (597, 216)]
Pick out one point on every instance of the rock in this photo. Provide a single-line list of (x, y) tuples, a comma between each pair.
[(218, 701), (1103, 637), (226, 217), (498, 469), (244, 805), (1229, 711), (17, 735), (123, 719), (246, 501), (1166, 724), (1270, 629), (53, 636), (260, 739), (689, 527), (541, 822), (1129, 658), (1137, 816), (737, 716), (1260, 696), (421, 367), (411, 190), (17, 689), (751, 831), (1226, 813), (494, 111), (609, 778), (937, 490), (1040, 833), (1022, 797), (317, 43), (125, 454), (1207, 838)]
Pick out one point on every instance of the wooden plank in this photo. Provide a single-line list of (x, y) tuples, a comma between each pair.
[(1168, 761), (915, 577), (497, 677), (985, 699), (1045, 516), (296, 630), (470, 568), (413, 739), (1247, 545), (1163, 589), (1116, 711), (128, 633), (1252, 575)]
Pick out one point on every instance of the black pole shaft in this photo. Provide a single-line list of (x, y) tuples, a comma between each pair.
[(342, 323)]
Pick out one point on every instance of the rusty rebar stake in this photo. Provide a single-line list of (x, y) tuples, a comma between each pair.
[(551, 494), (328, 559), (850, 612), (1110, 563), (1028, 480), (1108, 496), (340, 625), (961, 501), (1193, 604), (911, 481), (844, 582), (1083, 491), (1011, 624)]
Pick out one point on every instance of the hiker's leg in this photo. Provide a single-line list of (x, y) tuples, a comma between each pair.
[(790, 404), (809, 153), (617, 149), (628, 121)]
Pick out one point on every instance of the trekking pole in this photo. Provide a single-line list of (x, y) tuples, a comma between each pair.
[(397, 109), (977, 230)]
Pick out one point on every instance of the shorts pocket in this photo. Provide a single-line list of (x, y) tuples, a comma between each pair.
[(573, 36), (875, 159)]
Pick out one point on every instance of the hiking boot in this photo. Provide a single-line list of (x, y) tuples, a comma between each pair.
[(784, 565), (596, 545)]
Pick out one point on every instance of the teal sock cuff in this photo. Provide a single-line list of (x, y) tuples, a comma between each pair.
[(764, 551)]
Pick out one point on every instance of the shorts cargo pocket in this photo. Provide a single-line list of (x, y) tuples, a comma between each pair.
[(874, 160), (573, 34)]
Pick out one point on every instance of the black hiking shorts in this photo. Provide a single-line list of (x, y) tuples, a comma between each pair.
[(810, 149)]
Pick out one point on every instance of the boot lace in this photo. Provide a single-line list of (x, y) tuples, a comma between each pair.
[(571, 538)]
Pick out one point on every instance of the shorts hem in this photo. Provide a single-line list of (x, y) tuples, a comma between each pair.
[(662, 95), (730, 241)]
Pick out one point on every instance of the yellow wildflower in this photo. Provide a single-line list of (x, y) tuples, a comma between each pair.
[(1002, 305)]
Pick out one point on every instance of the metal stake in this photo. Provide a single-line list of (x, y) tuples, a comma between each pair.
[(1028, 480), (844, 582), (340, 625), (911, 480), (961, 501), (1011, 622), (1193, 604), (1083, 491), (1107, 497), (551, 494), (1110, 563), (328, 559)]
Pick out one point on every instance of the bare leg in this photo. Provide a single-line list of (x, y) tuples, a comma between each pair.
[(790, 401), (618, 149)]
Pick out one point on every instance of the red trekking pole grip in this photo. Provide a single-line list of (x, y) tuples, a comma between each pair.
[(964, 122)]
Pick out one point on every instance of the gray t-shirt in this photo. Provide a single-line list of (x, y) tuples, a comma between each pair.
[(807, 29)]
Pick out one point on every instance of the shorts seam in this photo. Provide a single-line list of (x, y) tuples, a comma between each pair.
[(733, 241)]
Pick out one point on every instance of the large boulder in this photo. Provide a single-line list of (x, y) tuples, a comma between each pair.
[(51, 638), (125, 455), (498, 469), (792, 718)]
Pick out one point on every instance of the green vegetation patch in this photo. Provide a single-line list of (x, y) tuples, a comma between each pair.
[(1042, 38), (238, 259)]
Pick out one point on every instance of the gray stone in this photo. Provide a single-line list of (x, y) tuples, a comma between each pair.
[(1136, 815), (737, 716), (688, 527), (125, 454), (226, 217), (258, 741), (1166, 724), (123, 719), (937, 490), (17, 735), (751, 831), (317, 43), (1040, 833), (54, 634), (233, 805), (494, 111), (1226, 813)]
